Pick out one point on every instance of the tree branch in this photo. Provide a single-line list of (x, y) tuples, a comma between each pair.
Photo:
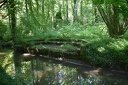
[(3, 3)]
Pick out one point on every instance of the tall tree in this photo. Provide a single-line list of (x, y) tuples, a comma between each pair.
[(12, 10), (67, 10), (81, 11), (75, 10), (37, 6), (43, 7), (95, 14), (114, 16)]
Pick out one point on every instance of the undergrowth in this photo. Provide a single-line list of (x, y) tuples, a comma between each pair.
[(6, 79), (101, 49), (111, 53)]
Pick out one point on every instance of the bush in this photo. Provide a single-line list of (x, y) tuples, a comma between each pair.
[(110, 53), (6, 79)]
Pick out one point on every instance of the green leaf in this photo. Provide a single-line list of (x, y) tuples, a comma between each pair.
[(122, 1), (98, 1), (122, 7), (109, 1)]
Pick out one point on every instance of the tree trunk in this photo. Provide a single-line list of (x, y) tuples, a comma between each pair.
[(66, 10), (53, 14), (13, 20), (26, 6), (43, 7), (37, 7), (37, 23), (63, 11), (81, 11), (95, 14), (112, 20), (75, 11)]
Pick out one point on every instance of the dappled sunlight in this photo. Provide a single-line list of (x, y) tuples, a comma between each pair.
[(101, 49), (8, 63), (27, 55), (119, 44)]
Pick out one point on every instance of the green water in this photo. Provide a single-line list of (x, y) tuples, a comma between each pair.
[(35, 70)]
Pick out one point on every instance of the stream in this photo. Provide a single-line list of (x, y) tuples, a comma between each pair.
[(44, 70)]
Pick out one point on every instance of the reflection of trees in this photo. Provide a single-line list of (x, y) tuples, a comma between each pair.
[(56, 74), (17, 62), (45, 73), (38, 72)]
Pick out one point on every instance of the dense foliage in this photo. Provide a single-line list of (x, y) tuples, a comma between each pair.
[(6, 79), (102, 23)]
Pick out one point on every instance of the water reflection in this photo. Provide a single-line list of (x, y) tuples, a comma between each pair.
[(41, 71)]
